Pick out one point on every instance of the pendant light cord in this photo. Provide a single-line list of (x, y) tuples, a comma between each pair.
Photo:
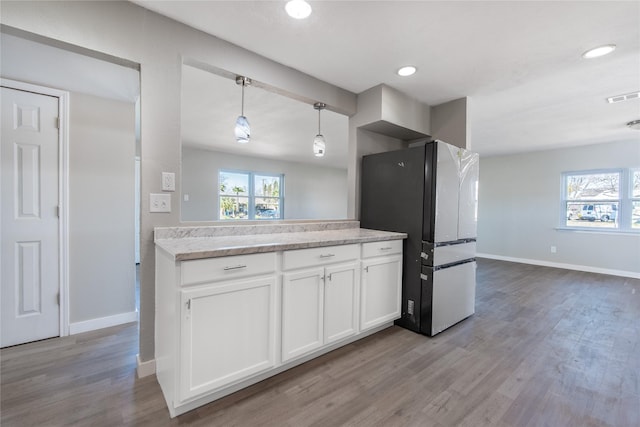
[(319, 121), (242, 105)]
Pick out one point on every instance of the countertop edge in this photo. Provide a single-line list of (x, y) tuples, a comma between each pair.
[(274, 247)]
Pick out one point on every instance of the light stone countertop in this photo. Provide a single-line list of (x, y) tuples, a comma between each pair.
[(210, 247)]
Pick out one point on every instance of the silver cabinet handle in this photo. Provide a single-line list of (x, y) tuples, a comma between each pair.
[(386, 248), (327, 255), (237, 267)]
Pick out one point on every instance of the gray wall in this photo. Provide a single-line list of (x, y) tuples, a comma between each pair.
[(384, 121), (311, 192), (101, 207), (519, 209), (449, 122), (159, 45)]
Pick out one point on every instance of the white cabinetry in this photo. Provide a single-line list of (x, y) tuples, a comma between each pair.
[(302, 308), (319, 305), (228, 322), (341, 286), (228, 333), (216, 324), (381, 279)]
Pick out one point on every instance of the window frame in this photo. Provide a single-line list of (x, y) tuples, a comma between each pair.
[(250, 194), (624, 216), (632, 200)]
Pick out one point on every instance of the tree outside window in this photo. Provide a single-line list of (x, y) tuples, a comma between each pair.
[(600, 200), (250, 195)]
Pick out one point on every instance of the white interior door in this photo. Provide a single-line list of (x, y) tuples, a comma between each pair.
[(29, 223)]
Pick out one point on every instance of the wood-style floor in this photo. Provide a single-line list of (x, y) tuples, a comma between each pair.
[(546, 347)]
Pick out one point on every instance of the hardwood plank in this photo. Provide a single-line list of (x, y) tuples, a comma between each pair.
[(546, 347)]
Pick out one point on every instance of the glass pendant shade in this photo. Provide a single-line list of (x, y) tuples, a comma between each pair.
[(242, 130), (319, 142), (318, 145)]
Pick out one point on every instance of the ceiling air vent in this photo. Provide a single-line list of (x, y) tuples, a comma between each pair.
[(625, 97)]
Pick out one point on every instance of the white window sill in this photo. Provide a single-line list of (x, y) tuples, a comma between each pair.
[(599, 230)]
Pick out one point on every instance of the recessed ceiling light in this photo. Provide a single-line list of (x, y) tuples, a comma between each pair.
[(407, 71), (298, 9), (599, 51)]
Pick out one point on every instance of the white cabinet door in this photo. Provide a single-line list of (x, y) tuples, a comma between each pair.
[(228, 334), (340, 302), (302, 312), (381, 290)]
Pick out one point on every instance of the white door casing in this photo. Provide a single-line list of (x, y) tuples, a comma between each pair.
[(31, 269)]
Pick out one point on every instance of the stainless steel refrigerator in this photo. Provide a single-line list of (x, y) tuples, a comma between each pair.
[(428, 191)]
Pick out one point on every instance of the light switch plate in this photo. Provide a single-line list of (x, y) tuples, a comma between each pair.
[(168, 181), (159, 202)]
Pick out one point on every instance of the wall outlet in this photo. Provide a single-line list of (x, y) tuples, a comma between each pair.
[(554, 249), (168, 181), (159, 202)]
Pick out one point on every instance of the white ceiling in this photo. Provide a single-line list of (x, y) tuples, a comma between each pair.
[(281, 128), (519, 62)]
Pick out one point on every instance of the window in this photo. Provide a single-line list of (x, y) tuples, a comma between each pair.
[(635, 199), (606, 199), (250, 195)]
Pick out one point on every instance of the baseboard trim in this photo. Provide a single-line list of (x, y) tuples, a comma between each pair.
[(145, 369), (586, 268), (102, 322)]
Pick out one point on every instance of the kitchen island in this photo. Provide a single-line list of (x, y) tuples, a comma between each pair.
[(238, 304)]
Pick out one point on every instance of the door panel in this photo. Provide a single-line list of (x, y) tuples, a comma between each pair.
[(29, 182), (454, 295), (380, 291), (228, 334), (447, 183), (468, 205), (302, 312), (340, 307)]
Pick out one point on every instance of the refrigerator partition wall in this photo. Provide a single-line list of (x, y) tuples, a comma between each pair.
[(428, 191)]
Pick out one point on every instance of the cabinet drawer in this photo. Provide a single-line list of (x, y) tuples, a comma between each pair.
[(227, 268), (385, 247), (319, 256)]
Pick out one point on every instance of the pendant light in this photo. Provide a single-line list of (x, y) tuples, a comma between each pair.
[(318, 141), (242, 130)]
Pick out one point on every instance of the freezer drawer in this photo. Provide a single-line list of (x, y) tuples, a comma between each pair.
[(447, 253), (453, 295)]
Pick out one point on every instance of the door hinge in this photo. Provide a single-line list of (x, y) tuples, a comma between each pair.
[(189, 304), (366, 269), (57, 122), (58, 211), (58, 298)]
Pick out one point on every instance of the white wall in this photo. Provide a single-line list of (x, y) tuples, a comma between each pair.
[(519, 209), (311, 192), (101, 208)]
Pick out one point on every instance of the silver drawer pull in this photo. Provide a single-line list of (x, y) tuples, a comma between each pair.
[(237, 267), (327, 255), (386, 248)]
